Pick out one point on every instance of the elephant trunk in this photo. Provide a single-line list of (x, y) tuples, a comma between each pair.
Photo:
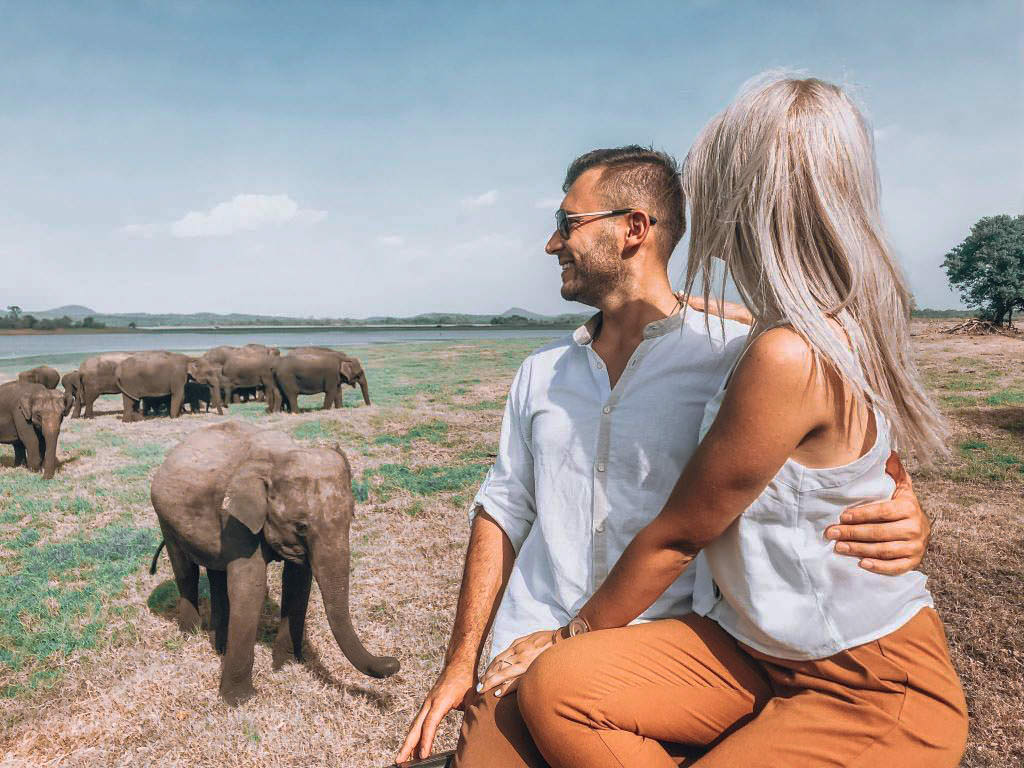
[(363, 386), (330, 564), (49, 432), (215, 394)]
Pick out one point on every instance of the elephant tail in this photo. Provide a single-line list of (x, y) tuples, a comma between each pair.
[(156, 556)]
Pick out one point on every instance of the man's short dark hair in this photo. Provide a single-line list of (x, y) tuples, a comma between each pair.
[(639, 177)]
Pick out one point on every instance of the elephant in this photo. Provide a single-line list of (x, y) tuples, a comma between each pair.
[(43, 374), (221, 354), (30, 419), (352, 372), (195, 395), (156, 374), (97, 376), (72, 383), (250, 371), (307, 371), (232, 498)]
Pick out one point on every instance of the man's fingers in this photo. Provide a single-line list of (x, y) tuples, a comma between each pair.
[(877, 512), (895, 469), (889, 550), (413, 736), (866, 532), (887, 567), (499, 678), (434, 718)]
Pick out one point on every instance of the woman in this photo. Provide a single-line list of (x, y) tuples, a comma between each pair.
[(797, 658)]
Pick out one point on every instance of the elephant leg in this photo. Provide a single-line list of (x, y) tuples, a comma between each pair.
[(89, 398), (186, 575), (177, 400), (131, 408), (295, 583), (220, 608), (247, 588), (19, 454), (77, 413)]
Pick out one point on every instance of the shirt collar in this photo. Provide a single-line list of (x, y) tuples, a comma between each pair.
[(584, 335)]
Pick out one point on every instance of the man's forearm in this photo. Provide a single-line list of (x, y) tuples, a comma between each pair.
[(489, 559)]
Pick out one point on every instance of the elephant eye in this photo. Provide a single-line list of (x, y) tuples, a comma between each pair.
[(301, 528)]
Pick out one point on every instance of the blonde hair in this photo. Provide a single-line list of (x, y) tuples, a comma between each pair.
[(783, 188)]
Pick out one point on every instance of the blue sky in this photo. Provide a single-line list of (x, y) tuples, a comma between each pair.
[(400, 157)]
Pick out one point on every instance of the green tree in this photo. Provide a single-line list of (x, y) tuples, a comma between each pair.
[(14, 311), (988, 267), (88, 322)]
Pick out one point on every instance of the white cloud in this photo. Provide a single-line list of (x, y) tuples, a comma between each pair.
[(487, 199), (391, 241), (548, 203), (244, 213)]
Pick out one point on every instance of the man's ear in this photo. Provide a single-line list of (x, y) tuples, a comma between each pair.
[(25, 406), (246, 500)]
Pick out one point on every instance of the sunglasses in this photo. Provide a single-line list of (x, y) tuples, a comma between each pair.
[(564, 221)]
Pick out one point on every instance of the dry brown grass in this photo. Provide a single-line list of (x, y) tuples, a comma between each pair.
[(146, 694)]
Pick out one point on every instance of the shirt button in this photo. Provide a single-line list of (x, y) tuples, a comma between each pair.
[(606, 409), (600, 366), (600, 466)]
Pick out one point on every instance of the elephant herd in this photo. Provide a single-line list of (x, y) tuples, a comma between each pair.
[(32, 409)]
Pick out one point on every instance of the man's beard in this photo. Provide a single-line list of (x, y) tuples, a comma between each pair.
[(595, 274)]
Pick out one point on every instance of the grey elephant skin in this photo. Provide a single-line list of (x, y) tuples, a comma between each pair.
[(311, 370), (159, 374), (72, 383), (232, 498), (98, 376), (247, 370), (43, 374), (30, 419)]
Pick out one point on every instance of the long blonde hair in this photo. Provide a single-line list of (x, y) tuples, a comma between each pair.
[(783, 188)]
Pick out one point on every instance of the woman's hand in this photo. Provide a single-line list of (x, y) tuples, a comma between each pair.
[(508, 666)]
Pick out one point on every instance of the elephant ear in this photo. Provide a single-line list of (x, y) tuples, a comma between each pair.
[(246, 500), (349, 371), (25, 406)]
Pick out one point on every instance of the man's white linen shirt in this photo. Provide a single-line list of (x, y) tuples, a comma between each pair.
[(582, 467)]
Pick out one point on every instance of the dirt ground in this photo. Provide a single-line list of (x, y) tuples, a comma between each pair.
[(94, 671)]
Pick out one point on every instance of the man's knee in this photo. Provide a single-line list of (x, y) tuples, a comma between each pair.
[(544, 687)]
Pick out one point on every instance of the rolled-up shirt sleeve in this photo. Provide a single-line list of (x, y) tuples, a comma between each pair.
[(507, 492)]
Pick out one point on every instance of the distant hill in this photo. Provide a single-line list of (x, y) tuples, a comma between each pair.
[(74, 311)]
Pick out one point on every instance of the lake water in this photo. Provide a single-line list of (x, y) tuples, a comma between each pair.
[(65, 347)]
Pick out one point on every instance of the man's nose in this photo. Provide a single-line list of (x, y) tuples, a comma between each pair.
[(555, 243)]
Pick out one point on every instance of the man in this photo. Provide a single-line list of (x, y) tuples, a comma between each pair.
[(596, 432)]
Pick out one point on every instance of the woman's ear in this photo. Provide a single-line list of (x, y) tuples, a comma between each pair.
[(25, 406), (246, 500)]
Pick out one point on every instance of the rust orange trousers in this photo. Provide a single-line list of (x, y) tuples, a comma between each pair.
[(683, 692)]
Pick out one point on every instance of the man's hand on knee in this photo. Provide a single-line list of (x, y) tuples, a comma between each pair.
[(890, 536), (453, 690)]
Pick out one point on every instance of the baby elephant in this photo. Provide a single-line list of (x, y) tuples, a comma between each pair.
[(30, 419), (232, 498)]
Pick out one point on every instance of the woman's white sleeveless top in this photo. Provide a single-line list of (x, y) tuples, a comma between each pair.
[(772, 580)]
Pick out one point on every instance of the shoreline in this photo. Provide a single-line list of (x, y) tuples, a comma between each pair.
[(289, 328)]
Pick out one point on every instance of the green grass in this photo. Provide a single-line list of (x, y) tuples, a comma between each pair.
[(133, 471), (52, 596), (959, 401), (985, 461), (148, 452), (433, 432), (386, 479), (1006, 397)]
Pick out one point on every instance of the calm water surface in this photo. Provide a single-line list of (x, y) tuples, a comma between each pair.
[(55, 347)]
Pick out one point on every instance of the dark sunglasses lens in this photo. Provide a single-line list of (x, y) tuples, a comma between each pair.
[(562, 224)]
